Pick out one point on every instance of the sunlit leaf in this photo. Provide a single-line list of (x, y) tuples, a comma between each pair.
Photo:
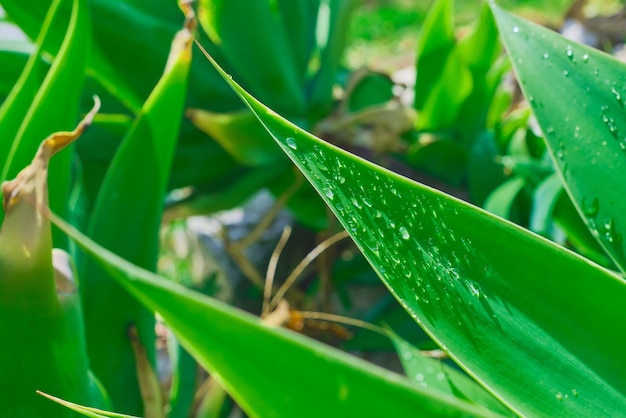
[(503, 302), (578, 95)]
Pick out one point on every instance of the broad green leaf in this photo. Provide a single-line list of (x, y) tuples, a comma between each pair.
[(545, 197), (500, 201), (578, 95), (503, 302), (256, 46), (41, 102), (447, 94), (239, 133), (479, 51), (130, 205), (333, 21), (299, 18), (328, 382), (369, 90), (184, 377), (435, 43), (434, 373), (41, 325)]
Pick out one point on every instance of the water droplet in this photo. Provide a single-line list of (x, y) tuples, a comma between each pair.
[(566, 73), (575, 392), (291, 143), (586, 58), (569, 53), (560, 153), (404, 233), (328, 192), (367, 202), (419, 377), (356, 203), (590, 207), (610, 232), (596, 71), (559, 396), (546, 56), (441, 376), (372, 244), (617, 95), (474, 289), (515, 29)]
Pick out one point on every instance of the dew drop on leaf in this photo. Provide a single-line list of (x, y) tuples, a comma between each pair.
[(590, 207), (291, 143), (404, 233)]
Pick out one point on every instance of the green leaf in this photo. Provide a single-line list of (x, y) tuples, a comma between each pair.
[(500, 201), (299, 17), (503, 302), (434, 373), (239, 133), (545, 197), (435, 44), (126, 219), (578, 95), (84, 410), (42, 102), (334, 16), (329, 382), (41, 326), (446, 94), (257, 40)]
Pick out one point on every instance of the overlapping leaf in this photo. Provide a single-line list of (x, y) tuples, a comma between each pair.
[(503, 302), (260, 376)]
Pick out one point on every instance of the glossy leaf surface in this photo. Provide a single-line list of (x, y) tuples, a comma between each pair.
[(578, 95), (483, 288), (434, 373), (219, 337)]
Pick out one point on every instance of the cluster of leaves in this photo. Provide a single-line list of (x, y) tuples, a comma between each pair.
[(500, 301)]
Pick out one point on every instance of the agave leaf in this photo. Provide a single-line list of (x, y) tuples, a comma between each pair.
[(43, 102), (84, 410), (434, 373), (130, 205), (482, 287), (41, 325), (219, 337), (587, 136), (256, 40)]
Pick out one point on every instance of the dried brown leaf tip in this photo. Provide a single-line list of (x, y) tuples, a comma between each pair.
[(31, 182)]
